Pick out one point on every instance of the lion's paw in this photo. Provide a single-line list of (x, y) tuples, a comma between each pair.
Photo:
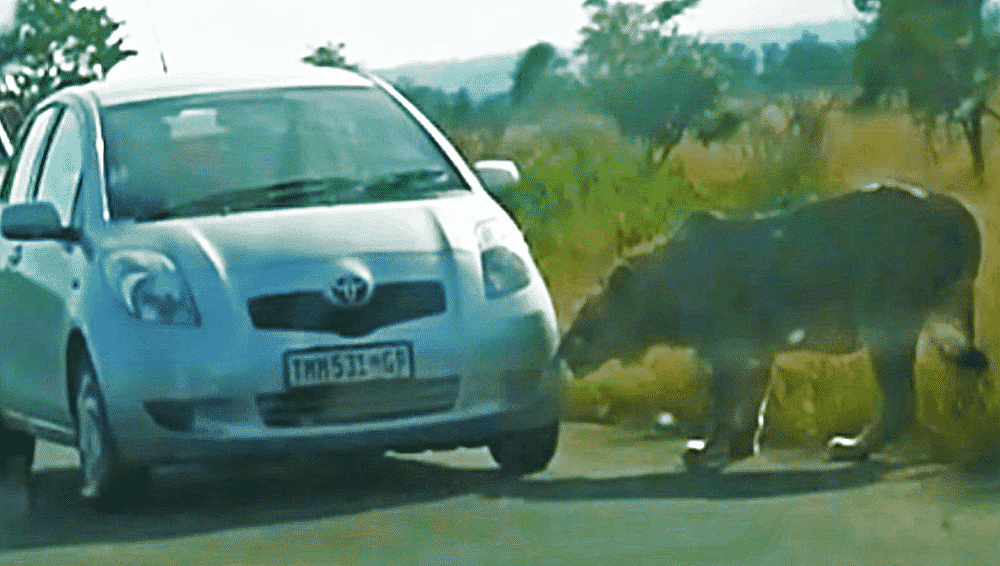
[(842, 449)]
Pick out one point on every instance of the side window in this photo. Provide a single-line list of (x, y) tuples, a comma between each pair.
[(24, 174), (63, 167)]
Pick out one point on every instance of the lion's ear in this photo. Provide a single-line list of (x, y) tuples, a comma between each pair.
[(621, 279)]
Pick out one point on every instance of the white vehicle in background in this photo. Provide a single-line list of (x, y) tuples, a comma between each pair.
[(196, 268)]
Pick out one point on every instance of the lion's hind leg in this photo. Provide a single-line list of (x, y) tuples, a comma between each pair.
[(893, 368)]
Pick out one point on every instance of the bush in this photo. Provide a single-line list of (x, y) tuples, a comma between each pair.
[(957, 411), (583, 195), (814, 397), (668, 380), (584, 198)]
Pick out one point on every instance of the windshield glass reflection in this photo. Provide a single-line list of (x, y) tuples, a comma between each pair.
[(222, 153)]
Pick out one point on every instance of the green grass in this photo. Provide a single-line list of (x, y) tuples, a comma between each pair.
[(584, 198)]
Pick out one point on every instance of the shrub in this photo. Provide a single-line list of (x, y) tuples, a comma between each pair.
[(583, 198), (583, 195)]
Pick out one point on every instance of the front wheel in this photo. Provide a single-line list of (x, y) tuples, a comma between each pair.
[(14, 443), (103, 480), (527, 452)]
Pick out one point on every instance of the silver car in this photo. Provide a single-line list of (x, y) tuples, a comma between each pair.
[(194, 269)]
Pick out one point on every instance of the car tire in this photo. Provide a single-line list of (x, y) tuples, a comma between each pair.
[(357, 459), (526, 452), (104, 482), (353, 464), (14, 443)]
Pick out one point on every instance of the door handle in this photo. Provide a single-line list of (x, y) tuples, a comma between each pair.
[(15, 256)]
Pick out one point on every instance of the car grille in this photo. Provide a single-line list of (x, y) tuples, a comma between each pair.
[(391, 303), (358, 402)]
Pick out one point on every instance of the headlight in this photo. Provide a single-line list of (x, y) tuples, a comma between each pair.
[(504, 271), (151, 288)]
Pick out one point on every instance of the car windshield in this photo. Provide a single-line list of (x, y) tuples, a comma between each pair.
[(230, 152)]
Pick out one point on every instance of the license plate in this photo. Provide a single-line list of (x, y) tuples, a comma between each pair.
[(349, 364)]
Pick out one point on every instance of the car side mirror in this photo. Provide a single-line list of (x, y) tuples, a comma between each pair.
[(32, 221), (498, 176)]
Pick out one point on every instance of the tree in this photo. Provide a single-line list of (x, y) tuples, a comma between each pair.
[(530, 69), (542, 80), (807, 62), (742, 64), (443, 108), (329, 55), (655, 85), (941, 54), (435, 103), (54, 45), (461, 105)]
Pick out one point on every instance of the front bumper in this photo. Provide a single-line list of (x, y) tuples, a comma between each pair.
[(404, 435), (176, 395)]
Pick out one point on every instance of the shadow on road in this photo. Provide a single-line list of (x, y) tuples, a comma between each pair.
[(745, 485), (189, 502)]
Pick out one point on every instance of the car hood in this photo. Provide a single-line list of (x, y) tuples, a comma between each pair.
[(304, 232), (254, 245)]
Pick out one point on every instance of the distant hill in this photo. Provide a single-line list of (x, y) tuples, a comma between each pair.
[(490, 74), (481, 76), (834, 31)]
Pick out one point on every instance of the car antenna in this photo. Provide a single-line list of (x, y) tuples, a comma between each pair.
[(156, 36)]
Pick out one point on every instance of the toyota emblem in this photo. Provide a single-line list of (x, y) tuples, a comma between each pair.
[(352, 287)]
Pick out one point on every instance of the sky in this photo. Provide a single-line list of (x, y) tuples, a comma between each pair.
[(246, 35)]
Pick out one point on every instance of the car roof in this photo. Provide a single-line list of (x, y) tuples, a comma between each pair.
[(136, 89)]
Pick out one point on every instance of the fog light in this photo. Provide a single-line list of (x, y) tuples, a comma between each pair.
[(177, 416)]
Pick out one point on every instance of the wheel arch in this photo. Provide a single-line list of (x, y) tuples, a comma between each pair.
[(76, 347)]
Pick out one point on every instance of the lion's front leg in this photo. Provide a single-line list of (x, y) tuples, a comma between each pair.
[(738, 400)]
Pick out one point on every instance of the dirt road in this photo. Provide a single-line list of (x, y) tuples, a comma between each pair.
[(609, 498)]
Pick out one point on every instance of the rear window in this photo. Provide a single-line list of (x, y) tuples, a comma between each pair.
[(223, 153)]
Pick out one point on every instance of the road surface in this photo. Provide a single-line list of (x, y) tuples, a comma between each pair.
[(610, 497)]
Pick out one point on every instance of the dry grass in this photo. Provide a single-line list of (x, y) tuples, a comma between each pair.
[(813, 396), (668, 380)]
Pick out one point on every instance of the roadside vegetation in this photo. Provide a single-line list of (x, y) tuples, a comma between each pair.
[(638, 126), (621, 138), (53, 44)]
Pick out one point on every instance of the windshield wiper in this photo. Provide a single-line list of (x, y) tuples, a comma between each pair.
[(213, 204), (332, 189), (407, 183), (325, 191)]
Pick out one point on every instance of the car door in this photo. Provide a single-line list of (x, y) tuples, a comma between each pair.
[(19, 184), (50, 273)]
